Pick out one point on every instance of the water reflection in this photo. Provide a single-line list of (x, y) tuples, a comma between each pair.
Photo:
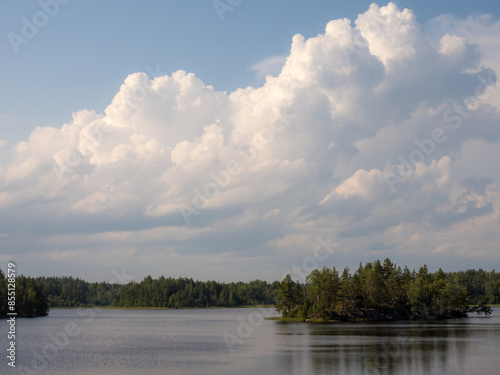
[(190, 342), (394, 348)]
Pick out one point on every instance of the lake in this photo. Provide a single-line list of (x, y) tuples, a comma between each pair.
[(240, 341)]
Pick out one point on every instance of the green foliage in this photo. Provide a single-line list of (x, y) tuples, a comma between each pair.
[(383, 291), (29, 297), (323, 292), (71, 292), (373, 288), (184, 292), (482, 287), (161, 292), (289, 298)]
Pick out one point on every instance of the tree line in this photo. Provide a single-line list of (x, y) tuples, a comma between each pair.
[(374, 291), (30, 299), (161, 292), (384, 291)]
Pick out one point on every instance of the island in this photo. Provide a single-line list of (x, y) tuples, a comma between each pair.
[(376, 292)]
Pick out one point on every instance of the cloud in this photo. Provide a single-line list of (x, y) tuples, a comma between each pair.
[(177, 178), (268, 66), (481, 30), (363, 184)]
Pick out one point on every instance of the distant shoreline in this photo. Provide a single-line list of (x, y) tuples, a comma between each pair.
[(160, 308)]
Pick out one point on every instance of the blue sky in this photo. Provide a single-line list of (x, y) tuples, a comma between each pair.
[(83, 54), (80, 58)]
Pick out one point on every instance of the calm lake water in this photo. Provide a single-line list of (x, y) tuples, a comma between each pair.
[(239, 341)]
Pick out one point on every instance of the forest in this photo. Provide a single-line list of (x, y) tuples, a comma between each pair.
[(161, 292), (374, 291), (30, 300), (384, 291)]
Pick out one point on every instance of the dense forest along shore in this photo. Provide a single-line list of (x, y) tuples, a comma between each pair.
[(374, 292), (385, 292)]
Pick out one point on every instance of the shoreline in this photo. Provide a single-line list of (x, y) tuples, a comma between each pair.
[(374, 315), (139, 308), (160, 308), (338, 321)]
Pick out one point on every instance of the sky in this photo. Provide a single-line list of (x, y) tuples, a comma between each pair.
[(234, 140)]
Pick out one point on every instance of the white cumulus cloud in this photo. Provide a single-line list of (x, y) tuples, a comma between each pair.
[(382, 132)]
